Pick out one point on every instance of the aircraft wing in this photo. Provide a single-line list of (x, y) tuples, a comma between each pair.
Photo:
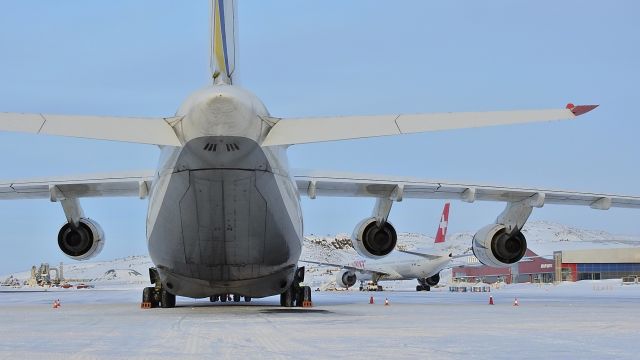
[(310, 130), (156, 131), (73, 187), (425, 255), (345, 266), (317, 183)]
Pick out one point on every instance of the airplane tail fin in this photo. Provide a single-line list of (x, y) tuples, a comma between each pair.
[(441, 234), (224, 29)]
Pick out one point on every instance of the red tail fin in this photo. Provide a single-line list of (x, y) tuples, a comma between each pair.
[(442, 227)]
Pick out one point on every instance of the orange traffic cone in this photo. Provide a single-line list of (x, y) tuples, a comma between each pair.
[(490, 300), (371, 300), (515, 302), (386, 302)]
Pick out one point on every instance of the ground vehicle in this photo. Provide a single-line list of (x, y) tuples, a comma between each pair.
[(370, 286)]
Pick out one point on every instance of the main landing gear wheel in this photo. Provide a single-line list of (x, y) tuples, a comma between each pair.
[(223, 298), (157, 295), (423, 288), (286, 298), (296, 295), (214, 298), (167, 299), (236, 298), (247, 299), (304, 294), (148, 296)]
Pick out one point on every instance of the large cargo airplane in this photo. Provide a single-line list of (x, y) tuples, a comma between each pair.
[(224, 214), (424, 266)]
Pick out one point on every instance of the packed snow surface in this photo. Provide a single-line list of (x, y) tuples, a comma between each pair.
[(585, 320)]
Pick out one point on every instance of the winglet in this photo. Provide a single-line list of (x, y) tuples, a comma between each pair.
[(578, 110), (441, 234)]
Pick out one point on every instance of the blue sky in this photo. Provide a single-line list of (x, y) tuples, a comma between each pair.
[(332, 57)]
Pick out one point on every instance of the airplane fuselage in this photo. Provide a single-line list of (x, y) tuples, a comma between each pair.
[(400, 266), (224, 212)]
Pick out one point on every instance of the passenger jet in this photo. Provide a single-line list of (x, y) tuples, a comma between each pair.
[(400, 265)]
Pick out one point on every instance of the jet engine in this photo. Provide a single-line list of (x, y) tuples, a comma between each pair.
[(346, 278), (81, 242), (494, 246), (373, 241), (433, 280)]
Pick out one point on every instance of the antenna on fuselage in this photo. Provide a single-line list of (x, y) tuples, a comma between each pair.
[(223, 40)]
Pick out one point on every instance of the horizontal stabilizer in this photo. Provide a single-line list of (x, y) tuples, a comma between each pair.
[(156, 131), (310, 130)]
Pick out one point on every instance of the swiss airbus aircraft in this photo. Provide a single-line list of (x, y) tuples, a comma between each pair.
[(224, 214), (425, 266)]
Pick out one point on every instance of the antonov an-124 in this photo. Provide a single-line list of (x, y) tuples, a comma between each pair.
[(224, 213)]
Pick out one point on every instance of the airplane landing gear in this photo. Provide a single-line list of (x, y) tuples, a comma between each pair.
[(157, 295), (296, 295), (225, 297)]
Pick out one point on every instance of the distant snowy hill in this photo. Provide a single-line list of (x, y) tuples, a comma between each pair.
[(128, 271), (542, 237)]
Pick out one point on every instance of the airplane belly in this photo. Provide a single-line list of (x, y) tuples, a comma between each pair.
[(222, 229)]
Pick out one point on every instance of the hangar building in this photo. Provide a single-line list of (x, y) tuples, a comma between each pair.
[(568, 265), (531, 269), (597, 264)]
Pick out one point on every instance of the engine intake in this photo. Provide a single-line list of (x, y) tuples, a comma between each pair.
[(346, 278), (494, 246), (373, 241), (82, 242)]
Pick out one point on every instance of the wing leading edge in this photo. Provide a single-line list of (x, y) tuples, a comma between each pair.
[(74, 187), (315, 183)]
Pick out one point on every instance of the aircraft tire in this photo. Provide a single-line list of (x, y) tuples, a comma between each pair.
[(287, 298), (167, 299), (147, 296), (306, 293), (247, 299)]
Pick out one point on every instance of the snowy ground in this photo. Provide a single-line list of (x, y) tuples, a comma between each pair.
[(591, 320)]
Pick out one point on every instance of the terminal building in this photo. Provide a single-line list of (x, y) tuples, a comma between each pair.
[(597, 264), (568, 265)]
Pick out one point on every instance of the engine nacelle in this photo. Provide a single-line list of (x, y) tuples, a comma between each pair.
[(372, 241), (346, 278), (82, 242), (433, 280), (430, 281), (494, 246)]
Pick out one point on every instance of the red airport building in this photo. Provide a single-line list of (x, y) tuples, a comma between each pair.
[(533, 269), (572, 265)]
